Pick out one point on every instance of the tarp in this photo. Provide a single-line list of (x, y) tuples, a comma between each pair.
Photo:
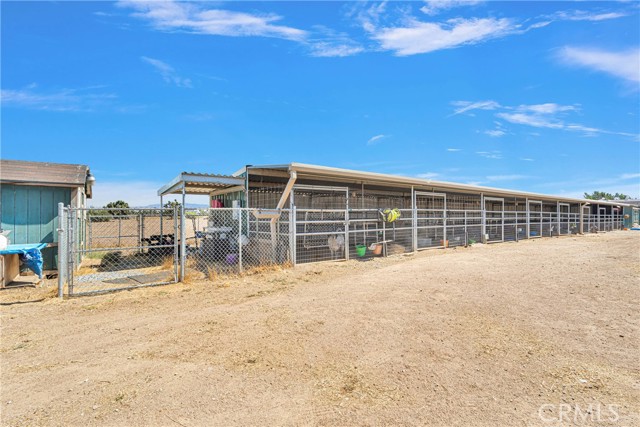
[(30, 255)]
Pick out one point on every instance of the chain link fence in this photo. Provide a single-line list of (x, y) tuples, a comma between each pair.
[(224, 241), (114, 249), (104, 250)]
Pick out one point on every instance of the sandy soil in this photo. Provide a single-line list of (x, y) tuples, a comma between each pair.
[(468, 337)]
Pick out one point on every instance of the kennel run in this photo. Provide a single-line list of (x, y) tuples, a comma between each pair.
[(297, 213), (326, 213)]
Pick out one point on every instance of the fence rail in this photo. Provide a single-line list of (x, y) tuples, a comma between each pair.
[(131, 248)]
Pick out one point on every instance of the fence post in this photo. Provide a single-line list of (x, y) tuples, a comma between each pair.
[(175, 243), (483, 219), (70, 252), (61, 250), (346, 229), (119, 231), (292, 232), (183, 243), (414, 221), (240, 240)]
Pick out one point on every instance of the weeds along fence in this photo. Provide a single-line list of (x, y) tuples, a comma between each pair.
[(102, 250)]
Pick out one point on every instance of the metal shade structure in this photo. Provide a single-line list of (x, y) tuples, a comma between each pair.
[(200, 183)]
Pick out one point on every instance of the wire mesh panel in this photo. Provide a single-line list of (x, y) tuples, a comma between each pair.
[(535, 219), (549, 219), (511, 221), (322, 225), (121, 249), (494, 219), (585, 220), (563, 218), (321, 235), (372, 232), (431, 214)]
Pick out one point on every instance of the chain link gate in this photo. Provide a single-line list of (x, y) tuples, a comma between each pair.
[(109, 249)]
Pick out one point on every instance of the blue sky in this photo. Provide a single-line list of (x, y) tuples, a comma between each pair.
[(540, 96)]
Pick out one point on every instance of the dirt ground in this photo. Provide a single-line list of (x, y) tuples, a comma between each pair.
[(513, 334)]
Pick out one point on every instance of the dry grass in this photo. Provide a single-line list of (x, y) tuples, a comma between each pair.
[(167, 263)]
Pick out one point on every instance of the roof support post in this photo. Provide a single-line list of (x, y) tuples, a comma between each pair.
[(183, 236), (272, 224), (414, 220)]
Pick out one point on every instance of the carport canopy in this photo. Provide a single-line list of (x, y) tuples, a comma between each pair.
[(201, 183)]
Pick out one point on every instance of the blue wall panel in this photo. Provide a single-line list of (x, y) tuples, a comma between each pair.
[(31, 213)]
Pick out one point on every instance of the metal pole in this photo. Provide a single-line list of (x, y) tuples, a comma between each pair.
[(414, 220), (161, 206), (484, 219), (119, 231), (183, 235), (61, 250), (294, 254), (346, 229), (175, 244), (240, 239), (444, 222), (70, 252)]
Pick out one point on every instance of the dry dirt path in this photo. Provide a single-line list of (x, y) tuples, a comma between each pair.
[(481, 336)]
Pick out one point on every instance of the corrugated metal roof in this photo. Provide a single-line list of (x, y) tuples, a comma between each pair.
[(326, 171), (20, 171), (199, 183)]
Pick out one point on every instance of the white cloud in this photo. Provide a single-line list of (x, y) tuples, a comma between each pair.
[(454, 149), (191, 17), (167, 72), (551, 122), (527, 159), (427, 175), (329, 49), (495, 154), (434, 7), (376, 139), (534, 120), (466, 106), (630, 176), (423, 37), (624, 64), (513, 177), (546, 115), (548, 108), (79, 100), (495, 133), (582, 15)]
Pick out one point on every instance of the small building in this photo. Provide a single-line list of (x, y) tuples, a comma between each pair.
[(29, 197)]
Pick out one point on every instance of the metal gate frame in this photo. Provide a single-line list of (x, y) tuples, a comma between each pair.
[(538, 217), (72, 251), (563, 219), (344, 223), (416, 215), (501, 212)]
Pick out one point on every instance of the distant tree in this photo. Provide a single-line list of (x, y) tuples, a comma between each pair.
[(172, 204), (601, 195), (117, 208)]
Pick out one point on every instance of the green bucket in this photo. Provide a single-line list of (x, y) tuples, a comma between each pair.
[(361, 250)]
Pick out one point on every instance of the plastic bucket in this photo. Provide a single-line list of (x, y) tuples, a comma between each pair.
[(361, 250), (377, 249)]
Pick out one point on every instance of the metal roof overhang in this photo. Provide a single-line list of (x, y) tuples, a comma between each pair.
[(200, 183), (306, 170)]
